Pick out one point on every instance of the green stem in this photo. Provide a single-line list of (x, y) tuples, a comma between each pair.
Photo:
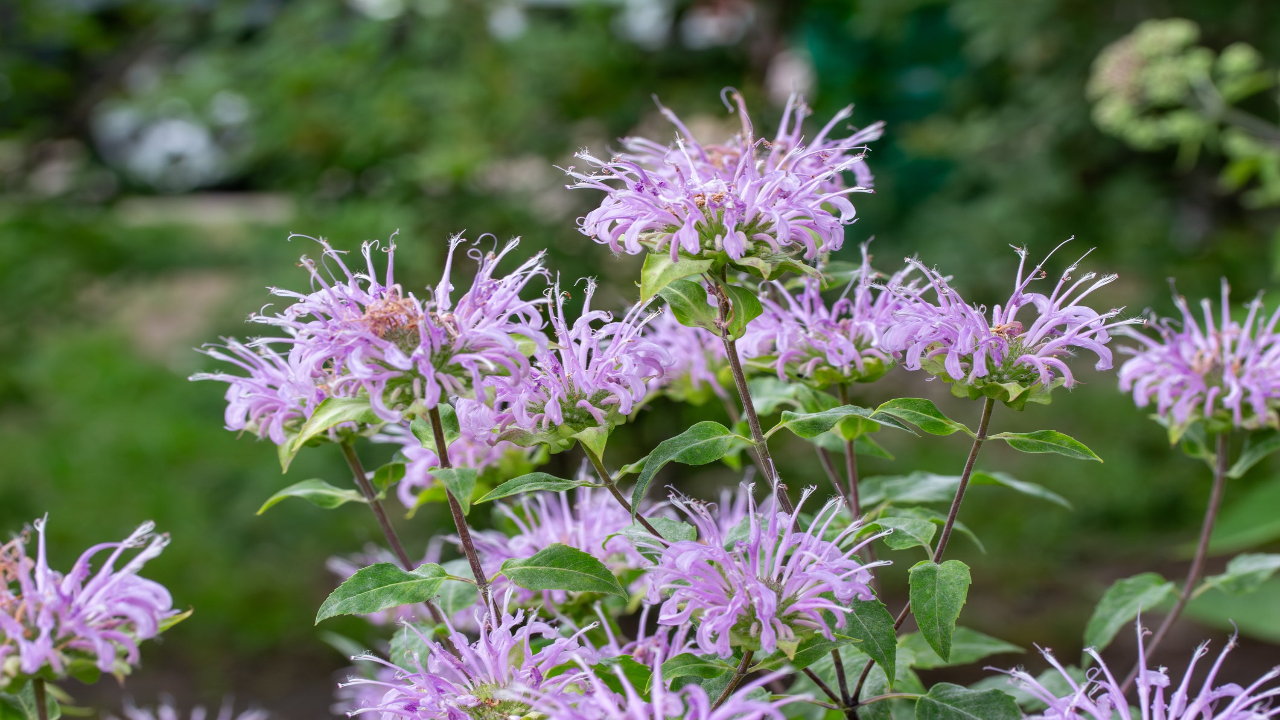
[(42, 702), (607, 479), (1202, 552), (459, 519)]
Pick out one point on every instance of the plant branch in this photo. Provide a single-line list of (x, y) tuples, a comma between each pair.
[(380, 513), (42, 702), (459, 519), (736, 680), (823, 686), (841, 678), (1202, 551), (607, 479)]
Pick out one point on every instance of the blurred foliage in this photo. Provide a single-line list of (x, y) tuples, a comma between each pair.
[(155, 154)]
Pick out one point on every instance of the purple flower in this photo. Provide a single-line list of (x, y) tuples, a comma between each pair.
[(48, 619), (1099, 697), (276, 395), (769, 589), (802, 338), (592, 377), (697, 356), (477, 447), (957, 342), (167, 710), (747, 197), (589, 522), (483, 679), (599, 702), (1192, 370), (363, 333)]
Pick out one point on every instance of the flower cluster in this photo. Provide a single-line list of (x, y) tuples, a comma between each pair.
[(484, 679), (591, 377), (804, 339), (1100, 697), (1221, 368), (1001, 357), (51, 620), (358, 332), (747, 197), (766, 590)]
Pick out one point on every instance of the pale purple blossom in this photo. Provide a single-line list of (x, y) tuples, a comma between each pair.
[(1195, 370), (1100, 696), (48, 619), (802, 337), (168, 710), (511, 655), (599, 702), (697, 356), (591, 377), (960, 343), (747, 197), (772, 587), (274, 397)]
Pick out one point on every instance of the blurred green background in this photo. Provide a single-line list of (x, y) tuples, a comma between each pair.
[(154, 157)]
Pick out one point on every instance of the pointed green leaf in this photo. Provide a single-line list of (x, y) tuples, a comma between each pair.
[(807, 425), (946, 701), (870, 623), (533, 482), (1254, 452), (594, 438), (967, 646), (746, 307), (382, 586), (388, 475), (421, 428), (1026, 488), (688, 302), (317, 492), (21, 704), (456, 596), (1047, 441), (938, 592), (1121, 604), (810, 651), (329, 414), (1250, 521), (688, 664), (648, 545), (908, 532), (638, 675), (560, 567), (703, 443), (1245, 573), (174, 620), (459, 481), (659, 271), (923, 414)]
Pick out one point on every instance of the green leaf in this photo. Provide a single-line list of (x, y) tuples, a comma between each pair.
[(967, 646), (688, 302), (703, 443), (382, 586), (630, 468), (659, 271), (560, 567), (1047, 441), (594, 438), (768, 393), (982, 477), (870, 623), (533, 482), (946, 701), (174, 620), (864, 445), (637, 674), (1121, 604), (807, 425), (21, 705), (908, 532), (459, 481), (1250, 521), (938, 593), (317, 492), (923, 414), (1245, 573), (688, 664), (408, 643), (457, 596), (648, 545), (421, 428), (1254, 452), (332, 412), (810, 651), (877, 684), (388, 475), (746, 307)]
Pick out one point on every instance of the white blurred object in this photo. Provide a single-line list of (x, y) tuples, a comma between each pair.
[(716, 23), (790, 72), (646, 23), (508, 21), (378, 9)]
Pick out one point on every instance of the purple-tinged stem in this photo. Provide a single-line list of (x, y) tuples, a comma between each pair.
[(42, 703), (459, 519), (736, 680), (822, 685), (1202, 551), (380, 513), (607, 479)]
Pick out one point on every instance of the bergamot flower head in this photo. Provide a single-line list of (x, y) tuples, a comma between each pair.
[(1219, 369), (1004, 356), (751, 201)]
